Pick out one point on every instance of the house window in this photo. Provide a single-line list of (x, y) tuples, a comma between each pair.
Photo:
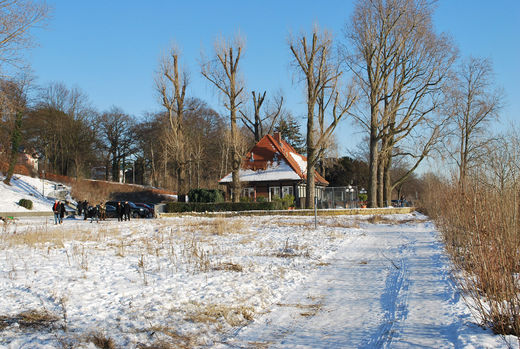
[(248, 192), (287, 190), (274, 192), (301, 191)]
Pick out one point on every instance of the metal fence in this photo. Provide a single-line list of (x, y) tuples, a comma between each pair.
[(338, 197)]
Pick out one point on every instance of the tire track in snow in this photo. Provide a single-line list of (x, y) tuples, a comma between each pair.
[(387, 288), (393, 303)]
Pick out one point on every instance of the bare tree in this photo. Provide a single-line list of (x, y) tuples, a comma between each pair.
[(61, 128), (257, 124), (223, 72), (313, 59), (400, 64), (116, 129), (17, 18), (473, 103), (171, 84)]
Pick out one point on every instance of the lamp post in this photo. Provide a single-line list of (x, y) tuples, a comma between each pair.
[(350, 190), (43, 183)]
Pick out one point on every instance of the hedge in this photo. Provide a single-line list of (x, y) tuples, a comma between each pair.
[(28, 204), (172, 207), (205, 195)]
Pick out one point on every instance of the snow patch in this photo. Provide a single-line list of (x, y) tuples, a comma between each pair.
[(300, 161)]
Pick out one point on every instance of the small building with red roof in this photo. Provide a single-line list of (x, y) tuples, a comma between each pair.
[(271, 169)]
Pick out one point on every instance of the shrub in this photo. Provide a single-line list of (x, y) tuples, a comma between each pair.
[(480, 230), (28, 204), (172, 207), (261, 199), (205, 195), (285, 202)]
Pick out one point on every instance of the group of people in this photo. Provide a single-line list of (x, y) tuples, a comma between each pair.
[(95, 212), (58, 208), (123, 211), (98, 212)]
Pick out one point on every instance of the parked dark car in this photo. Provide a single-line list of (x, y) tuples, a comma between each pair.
[(151, 211), (135, 211), (110, 211)]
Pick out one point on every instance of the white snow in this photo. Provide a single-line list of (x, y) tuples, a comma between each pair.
[(347, 284), (241, 282), (275, 171), (300, 161), (25, 187)]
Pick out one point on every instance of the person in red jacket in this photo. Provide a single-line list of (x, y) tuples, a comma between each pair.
[(56, 209)]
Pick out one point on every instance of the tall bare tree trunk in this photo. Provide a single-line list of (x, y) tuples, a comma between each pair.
[(223, 73), (387, 180)]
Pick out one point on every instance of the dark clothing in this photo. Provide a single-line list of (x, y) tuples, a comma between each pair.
[(126, 210), (94, 214), (85, 210), (119, 211), (62, 210)]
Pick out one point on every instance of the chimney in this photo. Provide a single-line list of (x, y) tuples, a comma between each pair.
[(278, 137)]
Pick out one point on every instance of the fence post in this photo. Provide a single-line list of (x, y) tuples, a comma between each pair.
[(315, 212)]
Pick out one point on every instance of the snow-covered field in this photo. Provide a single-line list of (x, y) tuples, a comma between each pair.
[(243, 282), (25, 187)]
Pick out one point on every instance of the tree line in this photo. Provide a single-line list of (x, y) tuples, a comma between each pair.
[(398, 80)]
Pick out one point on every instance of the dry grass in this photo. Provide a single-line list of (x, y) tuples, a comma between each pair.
[(330, 223), (217, 226), (293, 250), (56, 237), (174, 339), (100, 340), (306, 310), (234, 316), (35, 319), (229, 266), (379, 219)]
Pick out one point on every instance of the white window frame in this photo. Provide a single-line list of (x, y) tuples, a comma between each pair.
[(248, 192), (287, 190), (274, 189)]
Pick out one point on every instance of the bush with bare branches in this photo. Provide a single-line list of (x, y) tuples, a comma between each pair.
[(481, 231)]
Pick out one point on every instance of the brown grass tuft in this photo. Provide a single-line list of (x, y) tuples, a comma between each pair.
[(37, 319), (228, 266), (101, 341), (175, 339), (213, 313)]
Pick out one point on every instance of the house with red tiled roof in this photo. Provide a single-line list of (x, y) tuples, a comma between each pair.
[(271, 169)]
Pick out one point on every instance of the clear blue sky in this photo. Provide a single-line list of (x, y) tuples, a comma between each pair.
[(110, 49)]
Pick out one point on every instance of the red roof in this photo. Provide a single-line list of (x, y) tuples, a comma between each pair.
[(268, 147)]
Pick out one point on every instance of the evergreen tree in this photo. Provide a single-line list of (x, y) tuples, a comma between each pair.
[(290, 131)]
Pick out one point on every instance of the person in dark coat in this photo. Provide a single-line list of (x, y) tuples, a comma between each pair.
[(85, 210), (62, 211), (94, 214), (126, 209), (119, 211), (80, 207)]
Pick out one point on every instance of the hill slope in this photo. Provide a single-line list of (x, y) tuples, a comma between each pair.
[(25, 187)]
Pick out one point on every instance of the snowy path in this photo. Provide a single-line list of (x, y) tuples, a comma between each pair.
[(387, 288)]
